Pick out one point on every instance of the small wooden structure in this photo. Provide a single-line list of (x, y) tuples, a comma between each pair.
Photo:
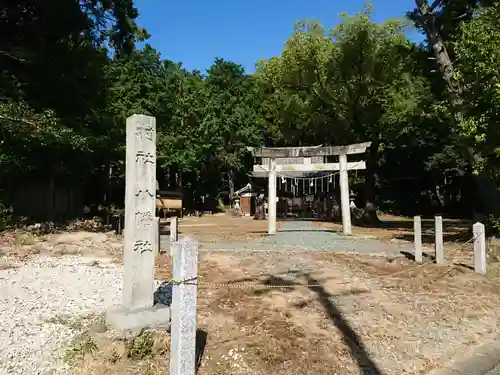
[(168, 202), (246, 200), (47, 200), (247, 203)]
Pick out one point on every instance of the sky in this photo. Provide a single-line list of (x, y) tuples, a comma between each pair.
[(195, 32)]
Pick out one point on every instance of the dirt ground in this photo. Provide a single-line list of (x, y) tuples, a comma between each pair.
[(401, 228), (457, 234), (222, 227), (225, 227), (321, 313)]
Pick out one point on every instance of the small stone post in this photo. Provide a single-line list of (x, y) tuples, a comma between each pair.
[(438, 231), (417, 228), (173, 230), (183, 325), (479, 248)]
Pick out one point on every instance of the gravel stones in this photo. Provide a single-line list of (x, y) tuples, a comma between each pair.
[(303, 236), (73, 237), (38, 297)]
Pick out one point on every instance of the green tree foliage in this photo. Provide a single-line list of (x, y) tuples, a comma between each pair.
[(57, 44), (53, 57), (53, 84), (448, 15), (71, 75), (359, 81), (204, 123), (232, 122), (478, 58), (478, 63)]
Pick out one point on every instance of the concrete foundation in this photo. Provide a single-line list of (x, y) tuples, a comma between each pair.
[(128, 321)]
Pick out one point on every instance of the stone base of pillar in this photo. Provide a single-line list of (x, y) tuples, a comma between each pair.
[(126, 321)]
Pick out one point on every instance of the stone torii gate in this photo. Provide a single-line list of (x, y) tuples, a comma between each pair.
[(273, 153)]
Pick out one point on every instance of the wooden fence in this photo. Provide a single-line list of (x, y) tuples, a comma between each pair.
[(47, 201)]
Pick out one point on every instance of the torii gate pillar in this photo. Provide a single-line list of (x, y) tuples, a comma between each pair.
[(344, 195), (271, 197)]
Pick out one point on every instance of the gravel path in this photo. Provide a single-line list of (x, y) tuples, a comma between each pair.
[(35, 297), (305, 236)]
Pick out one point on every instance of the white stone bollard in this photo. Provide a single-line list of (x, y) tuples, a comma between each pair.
[(417, 229), (183, 324), (479, 248), (438, 231), (174, 226), (174, 232)]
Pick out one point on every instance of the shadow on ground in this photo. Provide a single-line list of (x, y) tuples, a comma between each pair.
[(411, 256), (358, 351), (201, 343), (163, 294), (456, 230), (430, 257), (429, 238), (307, 230)]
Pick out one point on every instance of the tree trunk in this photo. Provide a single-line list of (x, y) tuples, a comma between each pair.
[(370, 208), (52, 197), (172, 178), (428, 20), (440, 197), (230, 182), (108, 170), (260, 212)]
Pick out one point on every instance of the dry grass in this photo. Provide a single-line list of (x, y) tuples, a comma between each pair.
[(141, 355), (221, 227), (21, 245), (395, 309), (457, 236), (401, 228), (340, 313)]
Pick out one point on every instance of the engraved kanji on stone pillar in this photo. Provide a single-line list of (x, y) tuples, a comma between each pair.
[(140, 196)]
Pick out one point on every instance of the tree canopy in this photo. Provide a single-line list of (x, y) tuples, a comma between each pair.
[(72, 73)]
